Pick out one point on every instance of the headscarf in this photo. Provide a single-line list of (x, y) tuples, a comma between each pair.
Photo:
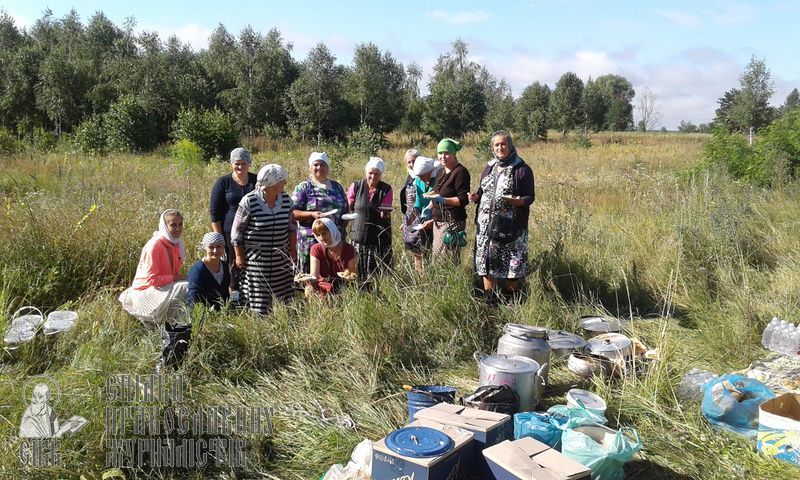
[(448, 145), (212, 238), (318, 156), (377, 163), (271, 174), (239, 154), (336, 236), (423, 165), (512, 150), (163, 231)]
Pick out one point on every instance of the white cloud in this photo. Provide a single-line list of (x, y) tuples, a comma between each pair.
[(19, 21), (682, 19), (460, 18), (195, 35)]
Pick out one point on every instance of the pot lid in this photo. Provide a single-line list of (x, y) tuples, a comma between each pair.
[(525, 331), (587, 398), (616, 343), (510, 363), (560, 340), (600, 324), (419, 442)]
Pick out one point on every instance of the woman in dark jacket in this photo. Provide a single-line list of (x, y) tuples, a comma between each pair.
[(504, 198), (209, 278), (450, 201), (370, 200)]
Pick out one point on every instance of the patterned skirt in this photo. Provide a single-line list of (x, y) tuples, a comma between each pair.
[(154, 306), (439, 247)]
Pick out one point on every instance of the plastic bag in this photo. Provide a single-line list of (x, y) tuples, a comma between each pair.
[(578, 416), (358, 468), (605, 459), (731, 402), (543, 427)]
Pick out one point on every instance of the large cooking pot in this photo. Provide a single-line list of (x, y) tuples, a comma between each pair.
[(520, 373), (526, 341), (594, 325), (613, 346), (564, 343)]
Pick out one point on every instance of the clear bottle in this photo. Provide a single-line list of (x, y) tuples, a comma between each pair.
[(794, 344), (769, 330), (776, 344)]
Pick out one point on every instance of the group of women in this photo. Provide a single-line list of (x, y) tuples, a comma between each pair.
[(264, 240)]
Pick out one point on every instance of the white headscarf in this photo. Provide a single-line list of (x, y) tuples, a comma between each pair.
[(318, 156), (163, 231), (336, 236), (271, 174), (377, 163), (423, 165)]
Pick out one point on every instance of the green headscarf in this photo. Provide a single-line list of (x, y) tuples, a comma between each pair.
[(448, 145)]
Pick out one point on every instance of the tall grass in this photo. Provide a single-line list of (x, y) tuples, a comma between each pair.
[(696, 262)]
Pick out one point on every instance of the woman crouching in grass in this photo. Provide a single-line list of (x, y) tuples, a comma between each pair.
[(332, 259), (209, 278), (159, 289)]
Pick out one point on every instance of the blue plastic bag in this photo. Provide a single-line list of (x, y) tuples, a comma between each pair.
[(543, 427), (607, 459), (723, 409), (578, 416)]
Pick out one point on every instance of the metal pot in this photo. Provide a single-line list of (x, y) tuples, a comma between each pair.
[(594, 326), (613, 346), (520, 373), (564, 343), (526, 341)]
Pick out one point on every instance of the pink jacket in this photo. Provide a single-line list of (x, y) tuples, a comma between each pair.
[(155, 268)]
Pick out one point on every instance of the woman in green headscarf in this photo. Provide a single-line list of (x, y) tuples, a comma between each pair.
[(449, 209)]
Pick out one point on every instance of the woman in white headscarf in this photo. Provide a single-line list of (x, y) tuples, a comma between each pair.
[(332, 260), (264, 241), (370, 199), (158, 288), (417, 226)]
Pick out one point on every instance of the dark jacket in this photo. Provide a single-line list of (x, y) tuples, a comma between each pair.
[(369, 228)]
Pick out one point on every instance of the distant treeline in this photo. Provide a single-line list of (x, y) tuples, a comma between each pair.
[(114, 89)]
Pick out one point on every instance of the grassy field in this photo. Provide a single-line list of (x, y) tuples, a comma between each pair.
[(630, 227)]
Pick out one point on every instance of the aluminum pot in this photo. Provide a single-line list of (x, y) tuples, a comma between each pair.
[(564, 343), (613, 346), (593, 325), (520, 373), (526, 341)]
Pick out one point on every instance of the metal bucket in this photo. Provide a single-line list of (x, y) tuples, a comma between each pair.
[(527, 341), (424, 396)]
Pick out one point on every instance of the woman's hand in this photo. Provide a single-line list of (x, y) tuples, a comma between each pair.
[(427, 225), (515, 202), (241, 262), (474, 197)]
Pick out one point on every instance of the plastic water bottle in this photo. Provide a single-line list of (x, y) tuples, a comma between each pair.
[(794, 343), (769, 331), (782, 342)]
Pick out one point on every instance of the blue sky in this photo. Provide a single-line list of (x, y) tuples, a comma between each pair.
[(687, 52)]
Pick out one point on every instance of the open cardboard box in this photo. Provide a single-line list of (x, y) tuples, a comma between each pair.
[(526, 459), (780, 413)]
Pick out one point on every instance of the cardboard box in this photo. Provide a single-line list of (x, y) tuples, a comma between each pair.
[(456, 464), (527, 459), (780, 413)]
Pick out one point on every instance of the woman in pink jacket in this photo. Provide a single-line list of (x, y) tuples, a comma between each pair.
[(159, 289)]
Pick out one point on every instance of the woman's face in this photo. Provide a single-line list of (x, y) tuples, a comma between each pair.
[(174, 225), (410, 161), (500, 146), (448, 159), (215, 251), (373, 177), (275, 189), (240, 167), (425, 176), (320, 170), (325, 238)]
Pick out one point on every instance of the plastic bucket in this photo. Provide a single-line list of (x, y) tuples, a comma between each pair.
[(576, 396), (59, 321), (424, 396)]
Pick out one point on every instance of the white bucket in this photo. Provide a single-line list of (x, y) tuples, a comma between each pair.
[(23, 327), (587, 398), (59, 321)]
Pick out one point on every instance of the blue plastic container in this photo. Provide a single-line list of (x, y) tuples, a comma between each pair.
[(424, 396)]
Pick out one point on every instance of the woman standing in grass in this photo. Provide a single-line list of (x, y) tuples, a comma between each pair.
[(159, 289), (209, 277), (418, 223), (504, 198), (226, 194), (449, 209), (332, 260), (371, 231), (264, 241), (316, 197)]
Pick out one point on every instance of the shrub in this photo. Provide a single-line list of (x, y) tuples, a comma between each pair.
[(579, 141), (211, 130), (187, 153), (364, 141), (731, 151), (780, 145), (90, 137), (8, 142), (130, 126), (44, 141)]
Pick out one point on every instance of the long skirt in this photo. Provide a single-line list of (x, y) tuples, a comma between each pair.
[(267, 276), (439, 248), (372, 259), (154, 306)]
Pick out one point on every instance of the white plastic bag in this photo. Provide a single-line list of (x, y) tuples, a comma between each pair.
[(358, 468)]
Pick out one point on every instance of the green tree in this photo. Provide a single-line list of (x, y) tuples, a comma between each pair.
[(722, 118), (687, 127), (414, 106), (375, 88), (792, 101), (531, 111), (617, 94), (130, 125), (457, 101), (499, 103), (751, 110), (565, 103), (593, 106)]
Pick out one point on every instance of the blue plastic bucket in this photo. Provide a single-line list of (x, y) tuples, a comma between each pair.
[(424, 396)]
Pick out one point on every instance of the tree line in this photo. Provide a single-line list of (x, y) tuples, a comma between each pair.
[(114, 89)]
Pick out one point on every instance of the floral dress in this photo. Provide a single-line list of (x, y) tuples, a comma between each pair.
[(495, 259), (311, 196)]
